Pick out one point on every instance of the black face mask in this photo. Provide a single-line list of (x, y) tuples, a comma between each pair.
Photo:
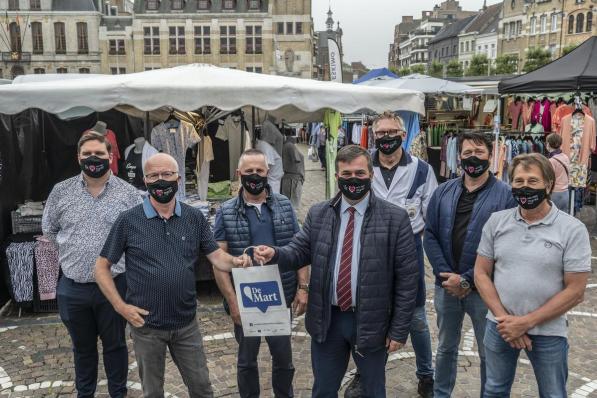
[(474, 167), (529, 198), (388, 145), (354, 188), (95, 167), (253, 183), (163, 191)]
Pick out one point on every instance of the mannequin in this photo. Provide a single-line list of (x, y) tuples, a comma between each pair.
[(139, 143), (135, 156), (100, 127)]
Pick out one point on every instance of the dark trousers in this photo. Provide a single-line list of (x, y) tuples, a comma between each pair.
[(330, 360), (321, 154), (87, 314), (247, 369)]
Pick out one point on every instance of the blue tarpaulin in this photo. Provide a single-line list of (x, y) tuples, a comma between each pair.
[(381, 72)]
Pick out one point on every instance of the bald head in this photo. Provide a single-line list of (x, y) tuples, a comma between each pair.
[(160, 162)]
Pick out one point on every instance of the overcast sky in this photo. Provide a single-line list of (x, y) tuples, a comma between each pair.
[(369, 25)]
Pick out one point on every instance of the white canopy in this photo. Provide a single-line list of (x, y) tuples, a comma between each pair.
[(190, 87), (424, 83)]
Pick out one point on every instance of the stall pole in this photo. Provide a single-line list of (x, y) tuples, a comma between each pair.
[(146, 126), (253, 126), (496, 131), (242, 131)]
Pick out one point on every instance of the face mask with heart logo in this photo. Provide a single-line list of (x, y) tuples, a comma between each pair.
[(253, 183), (474, 167), (94, 166), (163, 191), (529, 198), (388, 145), (354, 188)]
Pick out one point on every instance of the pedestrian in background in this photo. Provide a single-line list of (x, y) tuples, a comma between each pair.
[(561, 166)]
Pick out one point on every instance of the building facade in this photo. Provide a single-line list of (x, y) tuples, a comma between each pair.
[(322, 56), (445, 46), (480, 36), (262, 36), (414, 50), (50, 36), (578, 21)]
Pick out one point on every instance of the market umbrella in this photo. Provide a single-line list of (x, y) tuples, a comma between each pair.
[(425, 84)]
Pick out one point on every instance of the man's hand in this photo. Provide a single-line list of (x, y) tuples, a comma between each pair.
[(234, 312), (392, 345), (522, 343), (512, 327), (263, 254), (452, 285), (243, 261), (299, 305), (133, 314)]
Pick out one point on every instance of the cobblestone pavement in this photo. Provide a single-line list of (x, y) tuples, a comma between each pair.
[(36, 358)]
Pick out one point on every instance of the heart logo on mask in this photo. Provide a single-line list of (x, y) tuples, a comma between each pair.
[(252, 186), (471, 169), (92, 168), (523, 200), (352, 188), (159, 192), (386, 146)]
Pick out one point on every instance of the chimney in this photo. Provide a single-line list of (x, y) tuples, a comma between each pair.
[(407, 18)]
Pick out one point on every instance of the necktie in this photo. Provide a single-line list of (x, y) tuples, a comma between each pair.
[(343, 288)]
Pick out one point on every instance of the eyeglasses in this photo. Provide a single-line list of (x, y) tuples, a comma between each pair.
[(389, 133), (164, 175)]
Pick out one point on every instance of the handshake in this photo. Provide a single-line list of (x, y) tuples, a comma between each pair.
[(261, 254)]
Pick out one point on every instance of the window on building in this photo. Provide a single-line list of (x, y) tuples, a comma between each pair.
[(580, 22), (82, 39), (15, 37), (37, 38), (462, 47), (61, 70), (533, 23), (228, 39), (455, 50), (84, 71), (506, 30), (289, 28), (177, 4), (151, 40), (229, 5), (177, 42), (493, 53), (152, 5), (203, 5), (518, 28), (254, 69), (13, 5), (513, 4), (118, 71), (543, 23), (35, 5), (1, 74), (60, 38), (554, 22), (116, 47), (202, 40), (571, 24), (254, 5), (280, 28), (589, 21), (254, 40), (39, 71), (298, 28), (467, 46)]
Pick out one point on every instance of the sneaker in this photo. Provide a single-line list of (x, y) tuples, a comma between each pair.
[(354, 388), (425, 389)]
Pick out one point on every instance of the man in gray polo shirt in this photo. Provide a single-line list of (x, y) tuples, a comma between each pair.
[(540, 259)]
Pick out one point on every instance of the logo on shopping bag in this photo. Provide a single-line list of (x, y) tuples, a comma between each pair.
[(260, 295)]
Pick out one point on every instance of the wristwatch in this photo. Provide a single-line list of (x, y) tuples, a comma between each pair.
[(304, 286), (464, 284)]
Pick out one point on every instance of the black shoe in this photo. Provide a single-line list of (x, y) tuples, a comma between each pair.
[(354, 388), (425, 389)]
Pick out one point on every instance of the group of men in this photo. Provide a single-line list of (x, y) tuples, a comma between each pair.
[(356, 267)]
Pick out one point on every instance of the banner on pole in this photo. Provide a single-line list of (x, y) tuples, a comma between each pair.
[(335, 61)]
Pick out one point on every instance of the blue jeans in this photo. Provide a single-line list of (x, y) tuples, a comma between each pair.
[(421, 341), (329, 360), (450, 314), (549, 358), (561, 200)]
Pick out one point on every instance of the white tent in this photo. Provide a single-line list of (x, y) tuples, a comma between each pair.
[(190, 87), (424, 83)]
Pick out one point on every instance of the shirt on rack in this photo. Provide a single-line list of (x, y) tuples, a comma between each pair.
[(174, 140), (48, 269), (133, 167), (21, 259), (274, 161), (514, 112), (231, 131), (356, 133)]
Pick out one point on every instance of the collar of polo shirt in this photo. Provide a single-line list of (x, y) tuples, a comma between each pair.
[(151, 213)]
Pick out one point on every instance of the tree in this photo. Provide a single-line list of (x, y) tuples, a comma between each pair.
[(404, 71), (436, 69), (479, 66), (536, 58), (568, 49), (454, 69), (418, 69), (393, 70), (506, 64)]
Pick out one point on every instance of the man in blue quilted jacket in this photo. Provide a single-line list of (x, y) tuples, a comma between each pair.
[(364, 275), (259, 217), (456, 215)]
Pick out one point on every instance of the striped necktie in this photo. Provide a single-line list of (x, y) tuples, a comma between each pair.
[(343, 288)]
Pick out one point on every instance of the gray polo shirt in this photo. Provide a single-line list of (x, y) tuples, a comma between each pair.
[(531, 259)]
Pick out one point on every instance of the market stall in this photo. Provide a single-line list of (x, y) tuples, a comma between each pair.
[(37, 148)]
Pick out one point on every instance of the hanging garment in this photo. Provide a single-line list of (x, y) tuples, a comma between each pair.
[(356, 134), (418, 147), (578, 140), (48, 269), (556, 118), (21, 259), (294, 173), (541, 114), (527, 112), (205, 155), (133, 168), (411, 125), (231, 132), (272, 135), (274, 161), (147, 152), (174, 138), (514, 113), (364, 137)]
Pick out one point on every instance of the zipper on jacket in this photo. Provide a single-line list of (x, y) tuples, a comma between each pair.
[(357, 295)]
